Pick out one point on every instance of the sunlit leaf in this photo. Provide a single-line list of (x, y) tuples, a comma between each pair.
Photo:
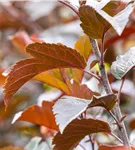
[(83, 46), (67, 109), (76, 131), (107, 101), (47, 57), (39, 115), (54, 78), (123, 64)]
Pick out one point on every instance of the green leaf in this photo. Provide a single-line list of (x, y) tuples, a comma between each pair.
[(123, 64), (76, 131)]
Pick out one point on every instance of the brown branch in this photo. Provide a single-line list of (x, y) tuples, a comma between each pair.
[(116, 111)]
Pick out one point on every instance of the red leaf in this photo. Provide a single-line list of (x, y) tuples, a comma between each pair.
[(76, 131), (48, 56)]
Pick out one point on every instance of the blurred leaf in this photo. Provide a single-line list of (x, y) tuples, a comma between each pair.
[(21, 40), (11, 148), (107, 147), (107, 101), (112, 7), (124, 36), (2, 78), (47, 57), (78, 129), (132, 124), (35, 144), (18, 99), (39, 115), (67, 109), (123, 64)]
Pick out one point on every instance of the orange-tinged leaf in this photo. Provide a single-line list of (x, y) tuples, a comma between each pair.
[(81, 91), (83, 46), (48, 57), (132, 124), (39, 115), (2, 78), (77, 75), (21, 40), (53, 78), (107, 147), (11, 148), (76, 131)]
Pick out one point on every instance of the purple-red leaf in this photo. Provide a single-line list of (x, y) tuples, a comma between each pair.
[(76, 131), (47, 57)]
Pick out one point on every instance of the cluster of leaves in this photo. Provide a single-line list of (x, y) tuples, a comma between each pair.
[(64, 68)]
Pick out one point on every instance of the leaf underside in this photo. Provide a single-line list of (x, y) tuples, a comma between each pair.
[(123, 64)]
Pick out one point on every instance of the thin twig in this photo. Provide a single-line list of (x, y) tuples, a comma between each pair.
[(92, 144), (92, 74), (117, 121), (116, 137), (70, 6)]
